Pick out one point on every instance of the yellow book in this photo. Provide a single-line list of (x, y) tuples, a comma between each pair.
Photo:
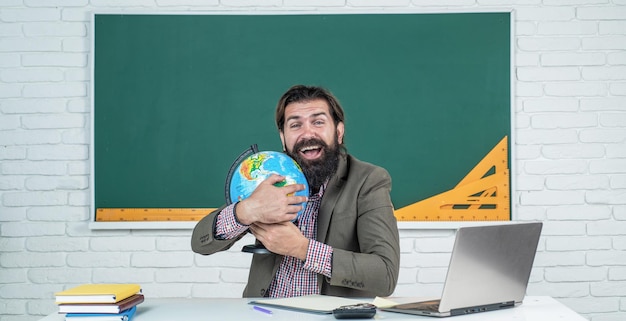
[(97, 293)]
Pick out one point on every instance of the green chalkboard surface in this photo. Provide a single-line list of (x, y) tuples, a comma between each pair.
[(178, 97)]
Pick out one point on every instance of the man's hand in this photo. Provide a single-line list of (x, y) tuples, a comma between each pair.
[(282, 238), (271, 204)]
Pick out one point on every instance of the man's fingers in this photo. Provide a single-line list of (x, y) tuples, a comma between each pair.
[(297, 199), (292, 188), (293, 209), (288, 189), (274, 178)]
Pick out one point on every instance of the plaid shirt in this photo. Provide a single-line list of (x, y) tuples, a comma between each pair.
[(294, 277)]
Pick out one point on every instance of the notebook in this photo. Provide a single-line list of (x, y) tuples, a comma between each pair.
[(314, 303), (489, 270), (97, 293)]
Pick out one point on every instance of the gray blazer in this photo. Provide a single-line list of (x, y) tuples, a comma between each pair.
[(355, 218)]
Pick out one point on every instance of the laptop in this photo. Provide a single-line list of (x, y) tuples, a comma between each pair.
[(489, 270)]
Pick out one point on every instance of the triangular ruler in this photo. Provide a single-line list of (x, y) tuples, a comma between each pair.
[(482, 195)]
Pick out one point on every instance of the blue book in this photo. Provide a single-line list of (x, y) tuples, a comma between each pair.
[(122, 316)]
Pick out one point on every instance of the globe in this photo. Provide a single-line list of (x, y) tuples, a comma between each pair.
[(257, 167)]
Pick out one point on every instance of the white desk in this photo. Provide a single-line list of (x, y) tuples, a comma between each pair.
[(534, 308)]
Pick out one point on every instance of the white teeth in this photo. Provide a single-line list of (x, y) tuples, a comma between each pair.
[(309, 148)]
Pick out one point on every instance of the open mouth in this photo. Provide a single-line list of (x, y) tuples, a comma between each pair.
[(311, 152)]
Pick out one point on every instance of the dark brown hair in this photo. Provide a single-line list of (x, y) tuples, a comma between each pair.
[(302, 93)]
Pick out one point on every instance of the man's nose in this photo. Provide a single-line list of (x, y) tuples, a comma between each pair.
[(309, 131)]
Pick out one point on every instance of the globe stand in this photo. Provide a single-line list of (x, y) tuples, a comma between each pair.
[(255, 249), (251, 248)]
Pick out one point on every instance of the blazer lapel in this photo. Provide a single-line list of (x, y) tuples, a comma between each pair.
[(330, 198)]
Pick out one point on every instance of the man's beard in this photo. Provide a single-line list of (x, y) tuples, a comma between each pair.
[(319, 170)]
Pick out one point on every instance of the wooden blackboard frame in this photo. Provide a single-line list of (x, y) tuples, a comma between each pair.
[(510, 108)]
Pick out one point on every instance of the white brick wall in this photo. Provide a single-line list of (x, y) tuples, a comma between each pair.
[(570, 159)]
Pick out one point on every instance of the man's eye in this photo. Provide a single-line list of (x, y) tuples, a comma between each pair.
[(318, 123), (294, 126)]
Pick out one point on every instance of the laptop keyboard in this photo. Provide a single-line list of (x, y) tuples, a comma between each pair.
[(432, 306)]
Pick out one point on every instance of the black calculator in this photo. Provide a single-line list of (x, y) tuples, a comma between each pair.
[(355, 311)]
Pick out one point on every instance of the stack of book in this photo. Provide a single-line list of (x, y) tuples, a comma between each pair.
[(100, 302)]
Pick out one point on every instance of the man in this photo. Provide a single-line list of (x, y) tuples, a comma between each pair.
[(346, 241)]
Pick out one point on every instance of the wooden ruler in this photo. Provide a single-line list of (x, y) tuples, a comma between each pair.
[(482, 195), (150, 214)]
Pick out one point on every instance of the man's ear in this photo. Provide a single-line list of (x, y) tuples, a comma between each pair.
[(340, 132)]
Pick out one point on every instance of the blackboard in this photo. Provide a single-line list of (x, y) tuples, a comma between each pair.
[(177, 97)]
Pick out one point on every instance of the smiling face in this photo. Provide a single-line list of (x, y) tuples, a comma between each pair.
[(312, 138), (307, 120)]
